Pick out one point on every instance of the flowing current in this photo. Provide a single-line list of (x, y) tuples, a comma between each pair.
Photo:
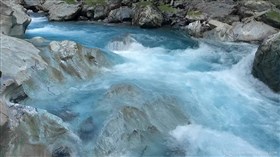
[(229, 112)]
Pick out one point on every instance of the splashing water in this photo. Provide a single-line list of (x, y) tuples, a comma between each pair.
[(231, 113)]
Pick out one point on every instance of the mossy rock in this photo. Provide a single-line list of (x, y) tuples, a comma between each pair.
[(95, 2), (272, 18), (167, 8), (70, 1)]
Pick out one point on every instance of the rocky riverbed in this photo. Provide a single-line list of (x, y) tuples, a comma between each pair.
[(89, 89)]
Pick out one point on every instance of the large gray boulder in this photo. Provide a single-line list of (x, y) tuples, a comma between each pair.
[(14, 20), (266, 65), (18, 58), (250, 31), (147, 17), (61, 11), (120, 15)]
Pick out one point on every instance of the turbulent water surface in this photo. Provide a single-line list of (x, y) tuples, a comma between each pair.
[(217, 107)]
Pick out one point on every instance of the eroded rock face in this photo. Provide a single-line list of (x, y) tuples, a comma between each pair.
[(252, 31), (77, 60), (61, 11), (147, 17), (14, 20), (19, 58), (120, 15), (38, 133), (266, 65), (140, 125)]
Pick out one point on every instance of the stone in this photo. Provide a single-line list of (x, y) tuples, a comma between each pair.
[(86, 129), (14, 19), (100, 12), (19, 58), (272, 18), (61, 11), (252, 31), (266, 66), (120, 15), (147, 17)]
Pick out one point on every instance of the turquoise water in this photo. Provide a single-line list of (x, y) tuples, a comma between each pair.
[(229, 112)]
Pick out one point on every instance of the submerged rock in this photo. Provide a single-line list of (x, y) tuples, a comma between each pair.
[(266, 65), (147, 17), (86, 130), (14, 19)]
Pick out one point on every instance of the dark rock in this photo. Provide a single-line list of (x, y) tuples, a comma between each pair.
[(266, 65), (62, 152), (272, 18), (86, 130)]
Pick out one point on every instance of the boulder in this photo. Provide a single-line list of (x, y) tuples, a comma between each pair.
[(266, 65), (120, 15), (147, 17), (219, 10), (100, 12), (14, 19), (61, 11), (257, 6), (19, 58), (221, 31), (252, 31), (196, 28), (272, 18)]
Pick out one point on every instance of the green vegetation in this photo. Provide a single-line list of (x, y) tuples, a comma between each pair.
[(70, 1), (167, 8), (194, 13), (144, 3), (95, 2), (273, 15)]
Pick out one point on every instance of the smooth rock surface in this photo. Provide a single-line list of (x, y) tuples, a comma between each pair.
[(19, 58), (266, 65), (61, 11)]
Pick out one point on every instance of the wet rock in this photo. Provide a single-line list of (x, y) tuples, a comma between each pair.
[(119, 90), (196, 28), (86, 130), (61, 152), (147, 17), (77, 60), (14, 19), (61, 11), (120, 15), (266, 65)]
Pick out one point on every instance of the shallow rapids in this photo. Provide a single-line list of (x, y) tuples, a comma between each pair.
[(198, 97)]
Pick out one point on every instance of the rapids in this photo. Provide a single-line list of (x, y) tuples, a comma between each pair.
[(229, 112)]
